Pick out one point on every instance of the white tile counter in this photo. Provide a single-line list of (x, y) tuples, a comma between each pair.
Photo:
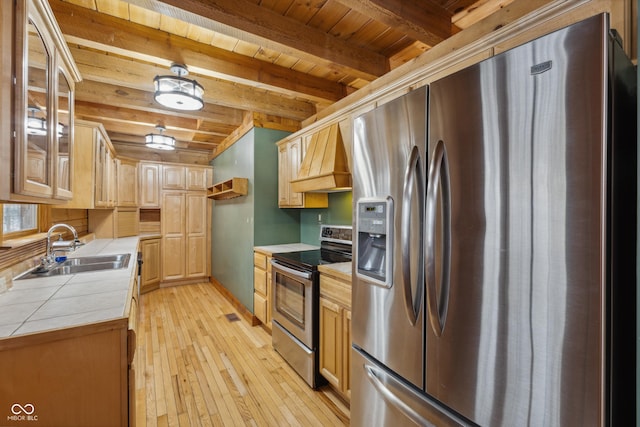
[(35, 305), (287, 247)]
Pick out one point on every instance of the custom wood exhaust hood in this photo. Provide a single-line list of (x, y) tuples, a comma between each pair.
[(324, 167)]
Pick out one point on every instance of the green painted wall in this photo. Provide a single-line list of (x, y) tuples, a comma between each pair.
[(338, 213), (244, 222)]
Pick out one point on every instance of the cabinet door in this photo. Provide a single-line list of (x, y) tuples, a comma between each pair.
[(346, 353), (196, 214), (173, 177), (283, 176), (331, 342), (173, 232), (64, 138), (102, 166), (173, 257), (295, 159), (196, 259), (260, 281), (150, 264), (149, 185), (269, 293), (260, 307), (34, 144), (127, 183), (196, 233), (197, 178), (112, 181)]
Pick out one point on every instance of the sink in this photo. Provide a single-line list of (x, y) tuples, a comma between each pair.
[(80, 265), (118, 261)]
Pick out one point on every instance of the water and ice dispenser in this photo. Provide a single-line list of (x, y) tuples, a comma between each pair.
[(374, 249)]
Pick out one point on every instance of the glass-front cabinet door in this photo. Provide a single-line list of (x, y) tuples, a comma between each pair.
[(45, 75), (34, 140), (64, 137)]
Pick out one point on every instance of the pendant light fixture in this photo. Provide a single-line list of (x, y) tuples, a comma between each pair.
[(160, 141), (36, 125), (178, 92)]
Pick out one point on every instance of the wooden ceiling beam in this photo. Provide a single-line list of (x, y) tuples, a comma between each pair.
[(122, 137), (115, 70), (93, 111), (90, 110), (247, 21), (115, 94), (141, 130), (100, 31), (425, 21)]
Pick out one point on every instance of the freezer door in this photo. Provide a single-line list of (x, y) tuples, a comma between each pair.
[(517, 221), (383, 399), (389, 167)]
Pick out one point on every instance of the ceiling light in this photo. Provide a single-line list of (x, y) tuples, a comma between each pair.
[(178, 92), (160, 141), (36, 125)]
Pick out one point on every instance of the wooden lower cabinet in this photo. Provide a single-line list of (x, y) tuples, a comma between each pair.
[(151, 271), (74, 377), (262, 287), (335, 333)]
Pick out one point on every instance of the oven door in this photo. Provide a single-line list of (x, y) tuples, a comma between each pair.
[(293, 301)]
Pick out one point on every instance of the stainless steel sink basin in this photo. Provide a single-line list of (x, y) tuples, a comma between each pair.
[(118, 261), (80, 265)]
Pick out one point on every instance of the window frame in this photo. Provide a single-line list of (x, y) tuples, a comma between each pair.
[(22, 233)]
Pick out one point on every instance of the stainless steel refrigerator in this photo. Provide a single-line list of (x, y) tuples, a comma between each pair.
[(495, 218)]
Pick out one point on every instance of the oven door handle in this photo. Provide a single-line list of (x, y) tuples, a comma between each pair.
[(301, 274)]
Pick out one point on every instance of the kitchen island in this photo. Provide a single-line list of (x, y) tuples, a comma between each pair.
[(68, 343)]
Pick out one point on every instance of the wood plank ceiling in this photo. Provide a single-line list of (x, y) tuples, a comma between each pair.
[(272, 61)]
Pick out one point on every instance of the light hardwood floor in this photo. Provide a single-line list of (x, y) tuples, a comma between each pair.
[(195, 367)]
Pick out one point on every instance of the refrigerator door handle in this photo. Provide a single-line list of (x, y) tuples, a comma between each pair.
[(388, 395), (413, 175), (438, 186)]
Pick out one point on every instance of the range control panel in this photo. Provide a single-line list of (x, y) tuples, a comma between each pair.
[(336, 233)]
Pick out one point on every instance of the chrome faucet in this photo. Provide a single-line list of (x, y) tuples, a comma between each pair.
[(60, 245)]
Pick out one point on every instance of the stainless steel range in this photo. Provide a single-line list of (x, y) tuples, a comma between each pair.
[(296, 293)]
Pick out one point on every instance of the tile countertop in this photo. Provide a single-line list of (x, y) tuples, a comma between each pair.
[(287, 247), (36, 305), (339, 270)]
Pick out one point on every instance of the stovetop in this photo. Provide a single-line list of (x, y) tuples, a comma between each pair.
[(335, 246)]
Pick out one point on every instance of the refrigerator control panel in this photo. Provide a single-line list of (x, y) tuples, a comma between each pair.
[(374, 241)]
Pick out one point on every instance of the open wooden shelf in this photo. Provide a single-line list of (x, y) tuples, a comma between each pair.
[(234, 187)]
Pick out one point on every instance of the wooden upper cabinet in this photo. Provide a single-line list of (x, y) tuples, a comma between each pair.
[(150, 185), (105, 174), (290, 155), (198, 178), (39, 153), (94, 165), (127, 182), (173, 177)]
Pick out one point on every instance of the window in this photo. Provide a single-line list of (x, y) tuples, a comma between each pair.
[(18, 218)]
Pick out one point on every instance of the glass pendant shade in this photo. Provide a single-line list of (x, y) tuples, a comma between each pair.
[(160, 141), (36, 125), (178, 92)]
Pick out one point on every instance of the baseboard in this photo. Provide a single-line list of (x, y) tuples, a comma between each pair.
[(244, 312)]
